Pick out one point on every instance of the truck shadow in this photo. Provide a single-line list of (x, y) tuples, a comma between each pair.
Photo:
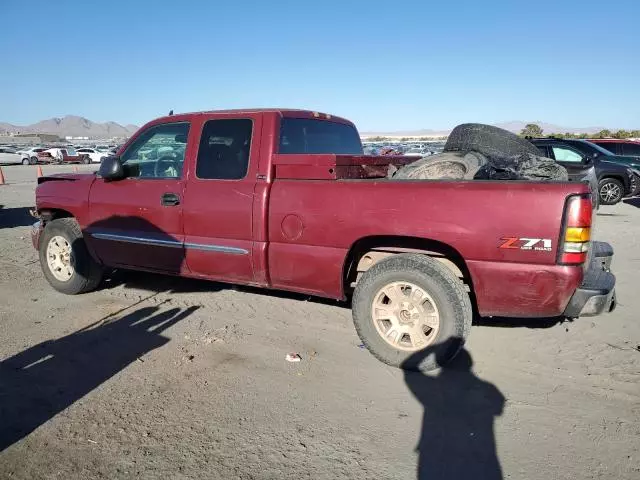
[(166, 283), (508, 322), (169, 284), (457, 439), (39, 382), (15, 217)]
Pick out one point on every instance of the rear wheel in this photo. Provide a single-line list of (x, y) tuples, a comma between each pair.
[(65, 260), (86, 159), (610, 190), (412, 312), (34, 160)]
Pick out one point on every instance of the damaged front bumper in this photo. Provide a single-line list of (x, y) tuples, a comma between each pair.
[(36, 231), (596, 294)]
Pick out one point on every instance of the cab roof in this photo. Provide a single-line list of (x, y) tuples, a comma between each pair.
[(285, 112)]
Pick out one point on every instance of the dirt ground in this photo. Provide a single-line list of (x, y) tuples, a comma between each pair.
[(154, 377)]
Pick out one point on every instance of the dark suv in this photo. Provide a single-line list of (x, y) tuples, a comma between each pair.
[(615, 180)]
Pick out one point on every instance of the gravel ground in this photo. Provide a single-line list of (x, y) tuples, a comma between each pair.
[(155, 377)]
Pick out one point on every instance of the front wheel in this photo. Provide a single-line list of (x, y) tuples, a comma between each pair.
[(65, 260), (412, 312), (25, 161), (611, 191)]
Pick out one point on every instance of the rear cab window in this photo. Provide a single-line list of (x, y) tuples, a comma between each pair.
[(314, 136)]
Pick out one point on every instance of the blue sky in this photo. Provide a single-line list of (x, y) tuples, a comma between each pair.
[(385, 65)]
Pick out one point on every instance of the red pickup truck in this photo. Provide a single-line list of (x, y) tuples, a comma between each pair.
[(284, 199)]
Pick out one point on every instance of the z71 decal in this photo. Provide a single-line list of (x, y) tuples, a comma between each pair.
[(538, 244)]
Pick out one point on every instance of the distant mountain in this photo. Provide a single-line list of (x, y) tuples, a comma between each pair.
[(73, 126), (514, 126)]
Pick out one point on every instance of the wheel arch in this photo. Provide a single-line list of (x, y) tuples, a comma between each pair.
[(48, 214), (386, 245)]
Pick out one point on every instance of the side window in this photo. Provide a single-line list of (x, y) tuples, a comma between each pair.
[(158, 152), (564, 154), (543, 150), (610, 146), (224, 149), (631, 149)]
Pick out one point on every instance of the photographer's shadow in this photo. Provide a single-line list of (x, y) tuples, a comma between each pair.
[(457, 440)]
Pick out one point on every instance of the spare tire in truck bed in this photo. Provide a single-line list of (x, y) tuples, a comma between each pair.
[(451, 165), (488, 140), (484, 152)]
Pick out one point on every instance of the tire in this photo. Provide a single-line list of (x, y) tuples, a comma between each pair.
[(452, 303), (488, 140), (86, 273), (86, 160), (610, 190), (635, 186), (452, 165), (34, 160), (25, 161)]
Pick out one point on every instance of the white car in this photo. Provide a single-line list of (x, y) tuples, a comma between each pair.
[(31, 154), (418, 152), (94, 154), (10, 156)]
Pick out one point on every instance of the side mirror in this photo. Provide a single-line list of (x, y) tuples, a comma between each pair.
[(111, 168)]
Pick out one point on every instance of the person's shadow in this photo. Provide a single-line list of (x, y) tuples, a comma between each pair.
[(457, 441), (38, 383)]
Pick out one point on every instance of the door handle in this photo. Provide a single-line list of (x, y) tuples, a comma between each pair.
[(170, 200)]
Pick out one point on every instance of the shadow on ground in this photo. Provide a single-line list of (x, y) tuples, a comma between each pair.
[(170, 284), (635, 201), (457, 440), (15, 217), (40, 382)]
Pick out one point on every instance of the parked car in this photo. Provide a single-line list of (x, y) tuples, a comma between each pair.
[(94, 154), (66, 155), (418, 152), (615, 180), (31, 154), (624, 148), (284, 199), (11, 157)]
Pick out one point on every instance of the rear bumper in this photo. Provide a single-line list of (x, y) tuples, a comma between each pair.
[(596, 294)]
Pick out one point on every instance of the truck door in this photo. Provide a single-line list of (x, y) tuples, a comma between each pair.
[(137, 221), (219, 199)]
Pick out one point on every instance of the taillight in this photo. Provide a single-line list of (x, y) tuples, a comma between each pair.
[(576, 231)]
